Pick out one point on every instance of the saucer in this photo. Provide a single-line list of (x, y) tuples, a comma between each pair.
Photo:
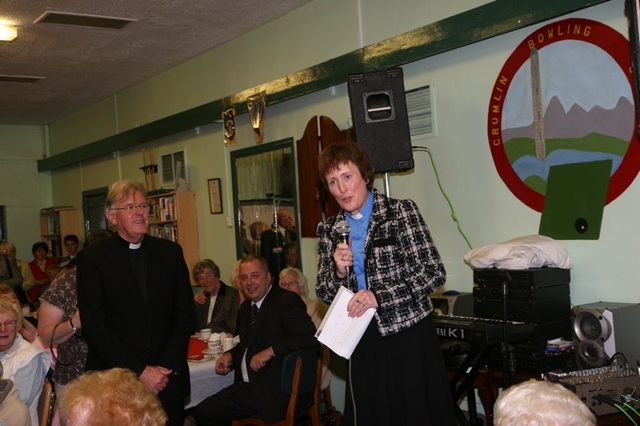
[(203, 359), (211, 352)]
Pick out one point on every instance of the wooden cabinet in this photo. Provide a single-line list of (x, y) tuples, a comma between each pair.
[(55, 223), (173, 217), (315, 200)]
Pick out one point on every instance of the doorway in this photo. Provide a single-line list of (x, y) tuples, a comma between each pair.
[(93, 210)]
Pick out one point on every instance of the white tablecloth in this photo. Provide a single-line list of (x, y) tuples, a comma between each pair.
[(205, 382)]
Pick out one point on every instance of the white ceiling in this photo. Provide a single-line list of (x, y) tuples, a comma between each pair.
[(82, 66)]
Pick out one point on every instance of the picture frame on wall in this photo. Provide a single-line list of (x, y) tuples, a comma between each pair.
[(215, 196)]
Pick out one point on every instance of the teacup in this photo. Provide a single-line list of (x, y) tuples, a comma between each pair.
[(205, 333), (228, 343), (215, 343)]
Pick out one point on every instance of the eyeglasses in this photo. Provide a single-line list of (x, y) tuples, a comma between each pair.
[(8, 324), (289, 284), (132, 207)]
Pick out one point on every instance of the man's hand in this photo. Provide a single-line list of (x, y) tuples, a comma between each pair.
[(260, 359), (224, 363), (155, 378)]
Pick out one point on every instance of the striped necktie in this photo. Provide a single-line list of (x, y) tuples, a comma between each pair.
[(252, 318)]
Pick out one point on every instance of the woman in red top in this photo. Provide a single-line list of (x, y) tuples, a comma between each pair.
[(39, 266)]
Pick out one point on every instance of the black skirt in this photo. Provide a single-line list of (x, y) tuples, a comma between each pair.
[(398, 380)]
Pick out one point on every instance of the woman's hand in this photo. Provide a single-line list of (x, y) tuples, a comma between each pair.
[(343, 257), (76, 319), (200, 298), (360, 302)]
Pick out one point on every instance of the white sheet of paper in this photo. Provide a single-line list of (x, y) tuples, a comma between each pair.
[(338, 331)]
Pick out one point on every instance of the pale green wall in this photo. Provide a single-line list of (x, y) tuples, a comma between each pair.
[(24, 191), (323, 29)]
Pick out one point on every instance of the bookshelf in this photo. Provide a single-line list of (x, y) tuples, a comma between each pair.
[(55, 223), (173, 217)]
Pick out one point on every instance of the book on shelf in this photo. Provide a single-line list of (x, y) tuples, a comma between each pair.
[(56, 248)]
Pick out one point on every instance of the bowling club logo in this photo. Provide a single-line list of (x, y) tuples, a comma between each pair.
[(565, 95)]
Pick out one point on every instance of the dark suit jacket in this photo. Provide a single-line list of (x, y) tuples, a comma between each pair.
[(272, 244), (282, 323), (224, 317), (119, 328)]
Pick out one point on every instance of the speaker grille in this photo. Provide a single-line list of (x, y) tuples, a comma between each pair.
[(381, 125)]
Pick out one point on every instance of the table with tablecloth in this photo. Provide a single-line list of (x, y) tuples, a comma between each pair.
[(205, 381), (202, 372)]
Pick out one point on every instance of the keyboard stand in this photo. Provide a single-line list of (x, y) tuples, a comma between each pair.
[(462, 383)]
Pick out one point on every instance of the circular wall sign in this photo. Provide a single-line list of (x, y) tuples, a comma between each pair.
[(565, 95)]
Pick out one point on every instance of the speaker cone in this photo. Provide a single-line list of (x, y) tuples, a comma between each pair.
[(591, 325)]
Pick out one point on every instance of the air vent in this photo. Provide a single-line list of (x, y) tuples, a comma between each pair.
[(19, 79), (421, 111), (172, 164), (82, 20)]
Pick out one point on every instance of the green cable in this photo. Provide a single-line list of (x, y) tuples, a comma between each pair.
[(444, 194), (630, 407), (623, 411)]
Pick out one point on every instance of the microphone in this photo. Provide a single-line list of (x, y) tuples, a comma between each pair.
[(342, 229)]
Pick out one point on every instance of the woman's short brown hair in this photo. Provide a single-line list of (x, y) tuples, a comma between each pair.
[(200, 266), (338, 154)]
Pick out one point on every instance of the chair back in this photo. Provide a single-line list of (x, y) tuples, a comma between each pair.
[(299, 371), (47, 401), (298, 377), (307, 380)]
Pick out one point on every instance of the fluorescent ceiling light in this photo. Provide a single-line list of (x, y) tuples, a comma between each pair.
[(8, 32)]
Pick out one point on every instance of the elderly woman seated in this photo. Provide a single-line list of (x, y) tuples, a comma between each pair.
[(28, 330), (537, 402), (12, 411), (110, 397), (24, 363), (293, 279), (217, 305)]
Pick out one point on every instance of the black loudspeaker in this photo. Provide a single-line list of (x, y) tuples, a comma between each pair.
[(381, 124), (602, 329)]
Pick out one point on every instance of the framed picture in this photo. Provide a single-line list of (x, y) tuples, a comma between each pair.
[(215, 196)]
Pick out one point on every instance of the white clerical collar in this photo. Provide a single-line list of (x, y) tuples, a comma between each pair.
[(136, 246)]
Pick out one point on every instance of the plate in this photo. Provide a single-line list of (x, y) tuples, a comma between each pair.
[(204, 359), (211, 352)]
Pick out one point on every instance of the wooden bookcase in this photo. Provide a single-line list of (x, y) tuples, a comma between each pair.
[(55, 223), (173, 217)]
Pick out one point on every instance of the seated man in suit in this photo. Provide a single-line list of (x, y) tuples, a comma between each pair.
[(217, 304), (273, 323)]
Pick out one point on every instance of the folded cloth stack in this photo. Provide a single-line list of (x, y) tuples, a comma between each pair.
[(531, 251)]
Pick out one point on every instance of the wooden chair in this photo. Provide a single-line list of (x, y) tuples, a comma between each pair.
[(324, 402), (299, 376), (47, 401), (314, 411)]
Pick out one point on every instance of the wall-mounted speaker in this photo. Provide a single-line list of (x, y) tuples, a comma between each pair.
[(381, 124), (602, 329)]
